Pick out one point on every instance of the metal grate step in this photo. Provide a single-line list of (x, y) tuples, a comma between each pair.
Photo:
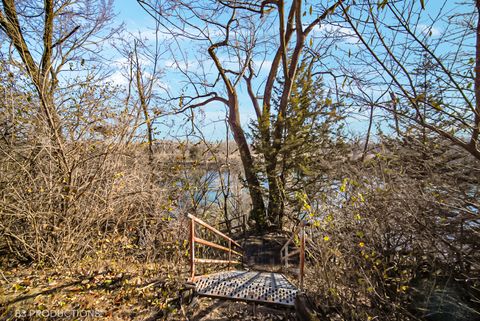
[(263, 287)]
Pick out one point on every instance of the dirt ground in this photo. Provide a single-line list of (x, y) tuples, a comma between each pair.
[(207, 309)]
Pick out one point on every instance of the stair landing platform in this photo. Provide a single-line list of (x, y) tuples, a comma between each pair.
[(262, 287)]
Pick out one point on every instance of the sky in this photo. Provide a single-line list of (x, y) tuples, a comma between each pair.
[(130, 12), (136, 20)]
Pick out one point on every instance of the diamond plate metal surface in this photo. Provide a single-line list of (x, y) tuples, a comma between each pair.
[(248, 285)]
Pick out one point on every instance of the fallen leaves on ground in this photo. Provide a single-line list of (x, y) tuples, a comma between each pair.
[(117, 290)]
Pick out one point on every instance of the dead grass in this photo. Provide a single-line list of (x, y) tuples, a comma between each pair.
[(117, 289)]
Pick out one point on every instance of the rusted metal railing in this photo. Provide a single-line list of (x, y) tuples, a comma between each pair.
[(194, 239), (285, 255)]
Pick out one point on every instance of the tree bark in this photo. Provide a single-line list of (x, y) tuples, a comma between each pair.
[(258, 206), (475, 148), (144, 105), (275, 201)]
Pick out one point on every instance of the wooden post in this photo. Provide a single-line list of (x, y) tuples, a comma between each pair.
[(192, 249), (302, 255)]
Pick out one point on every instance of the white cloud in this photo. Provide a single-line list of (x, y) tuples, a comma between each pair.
[(123, 63), (177, 64), (262, 65), (149, 34), (333, 30), (117, 78), (429, 30), (164, 85)]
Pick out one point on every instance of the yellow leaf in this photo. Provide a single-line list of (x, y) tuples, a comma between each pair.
[(343, 188), (436, 105), (360, 196), (382, 4), (326, 238)]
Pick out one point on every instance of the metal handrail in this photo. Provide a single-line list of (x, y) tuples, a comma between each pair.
[(285, 255), (194, 239)]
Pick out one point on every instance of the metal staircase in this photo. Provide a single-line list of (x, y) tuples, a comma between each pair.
[(236, 283)]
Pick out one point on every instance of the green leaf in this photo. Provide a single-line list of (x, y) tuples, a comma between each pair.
[(311, 10), (422, 3)]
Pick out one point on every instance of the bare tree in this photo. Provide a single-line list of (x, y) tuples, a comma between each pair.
[(143, 72), (247, 44), (428, 62), (64, 134), (69, 32)]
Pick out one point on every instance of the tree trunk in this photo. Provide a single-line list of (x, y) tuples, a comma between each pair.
[(275, 201), (258, 207), (474, 143)]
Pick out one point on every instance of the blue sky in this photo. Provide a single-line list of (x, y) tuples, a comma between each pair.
[(130, 12), (137, 20)]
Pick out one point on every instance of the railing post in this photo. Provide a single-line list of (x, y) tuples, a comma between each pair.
[(229, 253), (192, 249), (286, 257), (302, 255), (244, 224)]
